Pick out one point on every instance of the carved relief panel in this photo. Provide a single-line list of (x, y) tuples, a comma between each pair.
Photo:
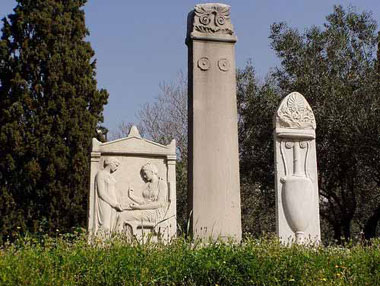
[(132, 188)]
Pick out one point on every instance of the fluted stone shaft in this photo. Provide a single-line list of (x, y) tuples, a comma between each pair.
[(214, 184)]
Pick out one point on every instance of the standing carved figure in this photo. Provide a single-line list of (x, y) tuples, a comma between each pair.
[(106, 200)]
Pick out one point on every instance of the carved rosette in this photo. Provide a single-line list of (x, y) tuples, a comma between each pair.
[(204, 63), (224, 64), (295, 112), (212, 18)]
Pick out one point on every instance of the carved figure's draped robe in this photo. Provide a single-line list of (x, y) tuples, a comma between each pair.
[(104, 201), (149, 194), (155, 215)]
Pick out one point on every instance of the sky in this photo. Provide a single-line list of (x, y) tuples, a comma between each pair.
[(140, 44)]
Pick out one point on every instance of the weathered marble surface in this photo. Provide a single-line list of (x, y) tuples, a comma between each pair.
[(133, 188), (297, 196), (214, 182)]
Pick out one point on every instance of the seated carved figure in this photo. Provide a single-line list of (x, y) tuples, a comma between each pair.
[(149, 209)]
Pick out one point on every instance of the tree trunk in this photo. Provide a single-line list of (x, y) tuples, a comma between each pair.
[(346, 224), (342, 230), (371, 224), (337, 232)]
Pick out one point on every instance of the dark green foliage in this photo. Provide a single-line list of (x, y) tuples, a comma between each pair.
[(334, 67), (255, 262), (49, 108), (256, 104), (182, 196)]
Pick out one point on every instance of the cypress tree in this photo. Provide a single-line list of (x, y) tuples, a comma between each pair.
[(49, 109)]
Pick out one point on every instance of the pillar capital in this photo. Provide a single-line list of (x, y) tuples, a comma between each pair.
[(210, 22)]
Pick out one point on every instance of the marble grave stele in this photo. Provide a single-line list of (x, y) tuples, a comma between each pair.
[(133, 188), (214, 183), (296, 182)]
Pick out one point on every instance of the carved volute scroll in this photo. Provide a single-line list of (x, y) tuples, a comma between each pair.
[(296, 171), (211, 20)]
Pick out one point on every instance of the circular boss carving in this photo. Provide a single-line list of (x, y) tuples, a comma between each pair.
[(224, 64), (204, 64)]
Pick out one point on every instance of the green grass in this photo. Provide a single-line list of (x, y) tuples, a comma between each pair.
[(70, 260)]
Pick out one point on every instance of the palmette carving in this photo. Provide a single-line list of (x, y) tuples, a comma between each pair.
[(295, 112), (213, 19)]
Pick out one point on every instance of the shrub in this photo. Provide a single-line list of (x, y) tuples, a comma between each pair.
[(70, 260)]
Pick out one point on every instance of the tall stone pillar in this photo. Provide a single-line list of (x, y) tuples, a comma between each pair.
[(214, 184)]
